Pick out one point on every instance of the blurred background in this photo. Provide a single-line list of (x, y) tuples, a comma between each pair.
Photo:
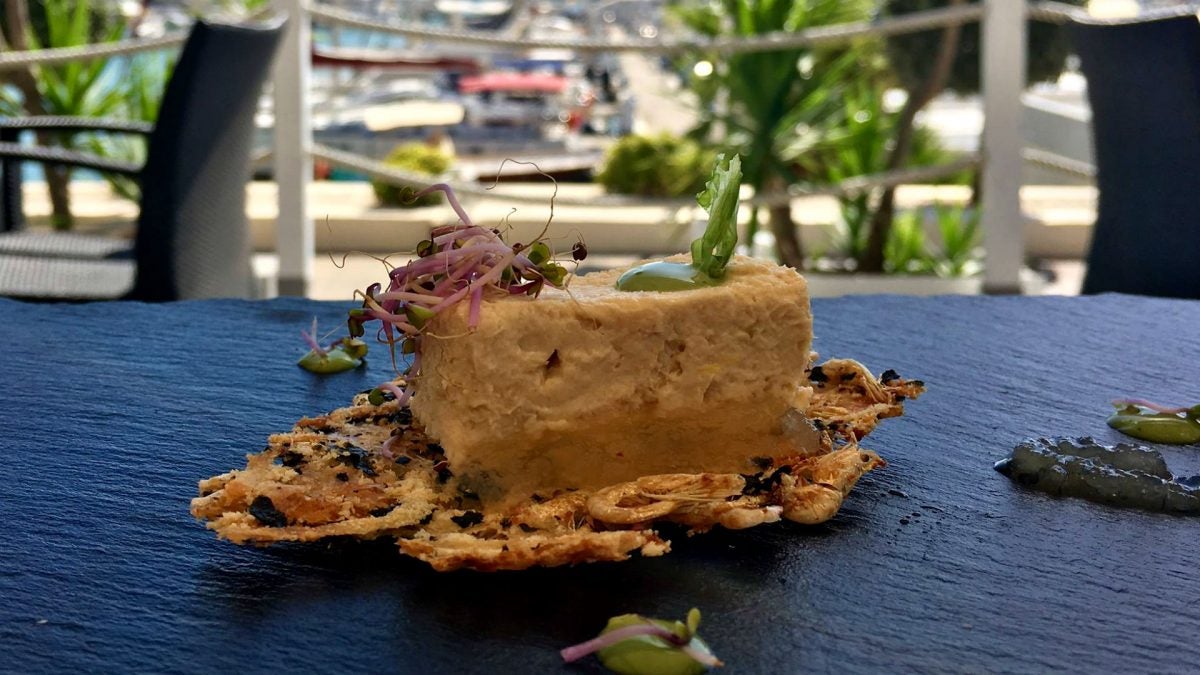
[(863, 137)]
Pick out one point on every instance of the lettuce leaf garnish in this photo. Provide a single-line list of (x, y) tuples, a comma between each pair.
[(713, 250)]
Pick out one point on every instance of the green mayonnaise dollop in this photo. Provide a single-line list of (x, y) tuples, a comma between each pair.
[(664, 276), (1157, 427)]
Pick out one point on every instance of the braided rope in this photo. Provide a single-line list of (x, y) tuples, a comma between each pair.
[(1060, 13), (59, 55), (871, 181), (822, 35), (1053, 12), (1057, 162), (852, 186)]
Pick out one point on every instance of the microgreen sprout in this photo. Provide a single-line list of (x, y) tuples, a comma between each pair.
[(636, 645), (460, 263), (1156, 423), (713, 250), (344, 354)]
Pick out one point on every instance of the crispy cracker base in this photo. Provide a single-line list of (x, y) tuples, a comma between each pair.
[(369, 471)]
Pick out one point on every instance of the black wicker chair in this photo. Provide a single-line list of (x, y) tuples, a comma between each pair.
[(1144, 87), (192, 236)]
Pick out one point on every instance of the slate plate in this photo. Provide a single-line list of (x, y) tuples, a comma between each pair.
[(112, 412)]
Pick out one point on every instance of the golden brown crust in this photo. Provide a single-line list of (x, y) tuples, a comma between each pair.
[(369, 471), (849, 402), (455, 551)]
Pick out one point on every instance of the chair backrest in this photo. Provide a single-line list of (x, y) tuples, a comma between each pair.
[(192, 238), (1144, 87)]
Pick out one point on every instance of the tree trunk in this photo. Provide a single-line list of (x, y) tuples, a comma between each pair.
[(58, 178), (58, 183), (977, 184), (787, 240), (881, 220)]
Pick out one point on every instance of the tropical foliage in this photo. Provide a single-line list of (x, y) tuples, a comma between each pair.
[(956, 253), (127, 87), (78, 88), (858, 146), (814, 115), (771, 106)]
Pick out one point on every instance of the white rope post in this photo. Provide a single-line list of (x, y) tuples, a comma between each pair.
[(1003, 81), (294, 231)]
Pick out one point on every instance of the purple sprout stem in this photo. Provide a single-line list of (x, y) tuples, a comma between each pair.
[(311, 339), (394, 320), (464, 233), (408, 296), (476, 304), (576, 652), (451, 279), (400, 394), (450, 197), (491, 276), (439, 261), (1143, 403), (451, 300)]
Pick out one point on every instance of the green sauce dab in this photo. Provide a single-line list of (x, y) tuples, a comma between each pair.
[(664, 276), (1157, 424), (711, 252)]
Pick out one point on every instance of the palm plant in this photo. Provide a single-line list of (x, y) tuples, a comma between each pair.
[(856, 146), (908, 249), (859, 145), (961, 236), (770, 106), (79, 88), (143, 79)]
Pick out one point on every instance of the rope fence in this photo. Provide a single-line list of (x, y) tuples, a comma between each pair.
[(1060, 13), (1056, 162), (59, 55), (1051, 12), (822, 36), (812, 37)]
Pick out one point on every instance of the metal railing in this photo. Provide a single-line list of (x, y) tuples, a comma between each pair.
[(1002, 64)]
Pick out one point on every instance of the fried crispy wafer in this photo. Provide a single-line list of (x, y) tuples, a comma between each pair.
[(370, 471)]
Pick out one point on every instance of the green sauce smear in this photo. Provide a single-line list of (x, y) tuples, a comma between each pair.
[(711, 252), (664, 276)]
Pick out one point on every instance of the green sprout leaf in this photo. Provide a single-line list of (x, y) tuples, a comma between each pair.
[(418, 315), (653, 655), (554, 273), (693, 621), (713, 250), (1176, 428), (355, 349), (346, 355), (538, 253)]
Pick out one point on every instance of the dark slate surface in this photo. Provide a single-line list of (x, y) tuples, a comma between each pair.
[(112, 412)]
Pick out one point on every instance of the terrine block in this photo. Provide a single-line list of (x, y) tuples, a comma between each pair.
[(592, 386)]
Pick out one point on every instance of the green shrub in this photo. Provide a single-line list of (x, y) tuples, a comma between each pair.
[(656, 166), (417, 158)]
